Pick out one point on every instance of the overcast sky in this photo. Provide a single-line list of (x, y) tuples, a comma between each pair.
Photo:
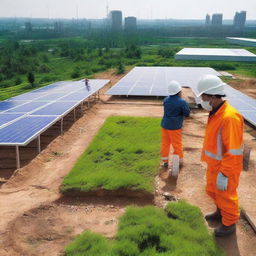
[(177, 9)]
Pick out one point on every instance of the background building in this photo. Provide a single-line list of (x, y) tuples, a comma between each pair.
[(130, 23), (116, 20), (239, 19), (207, 19), (217, 19), (28, 26)]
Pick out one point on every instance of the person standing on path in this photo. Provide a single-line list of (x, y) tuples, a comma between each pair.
[(223, 153), (175, 109)]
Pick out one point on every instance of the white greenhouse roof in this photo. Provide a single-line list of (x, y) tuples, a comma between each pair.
[(215, 54)]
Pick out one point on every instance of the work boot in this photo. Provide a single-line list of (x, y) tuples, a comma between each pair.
[(164, 165), (215, 216), (225, 230), (181, 163)]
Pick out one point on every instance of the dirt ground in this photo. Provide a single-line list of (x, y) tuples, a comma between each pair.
[(37, 220)]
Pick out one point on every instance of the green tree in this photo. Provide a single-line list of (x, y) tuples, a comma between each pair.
[(31, 78), (120, 68)]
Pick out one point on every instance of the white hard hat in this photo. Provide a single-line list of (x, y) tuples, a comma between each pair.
[(210, 84), (174, 87)]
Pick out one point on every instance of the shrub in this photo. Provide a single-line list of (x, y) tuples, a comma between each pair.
[(44, 68), (17, 81), (76, 73), (120, 68)]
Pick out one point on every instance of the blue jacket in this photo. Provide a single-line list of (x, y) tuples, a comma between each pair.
[(175, 108)]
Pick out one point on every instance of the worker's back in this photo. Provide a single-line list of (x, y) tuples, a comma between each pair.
[(175, 108)]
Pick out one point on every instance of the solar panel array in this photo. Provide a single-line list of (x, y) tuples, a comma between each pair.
[(153, 81), (24, 117), (243, 103)]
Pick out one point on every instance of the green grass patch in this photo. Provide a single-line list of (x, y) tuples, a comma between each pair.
[(123, 155), (150, 231)]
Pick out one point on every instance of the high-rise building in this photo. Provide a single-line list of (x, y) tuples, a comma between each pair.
[(28, 26), (207, 19), (130, 23), (116, 20), (217, 19), (240, 19)]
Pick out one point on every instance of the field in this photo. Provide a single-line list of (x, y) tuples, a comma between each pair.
[(118, 158)]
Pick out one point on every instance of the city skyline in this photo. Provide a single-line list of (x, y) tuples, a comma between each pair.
[(143, 9)]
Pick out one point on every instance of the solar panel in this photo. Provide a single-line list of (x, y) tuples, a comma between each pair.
[(5, 105), (25, 129), (52, 96), (6, 118), (27, 96), (153, 81), (57, 108), (28, 107)]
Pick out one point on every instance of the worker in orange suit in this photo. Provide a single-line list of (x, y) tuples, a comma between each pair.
[(223, 153), (175, 108)]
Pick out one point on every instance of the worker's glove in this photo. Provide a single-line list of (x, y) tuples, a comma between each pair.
[(222, 182)]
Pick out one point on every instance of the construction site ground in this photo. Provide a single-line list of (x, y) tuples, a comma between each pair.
[(37, 220)]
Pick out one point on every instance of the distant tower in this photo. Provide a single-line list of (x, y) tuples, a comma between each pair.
[(217, 19), (107, 9), (130, 23), (28, 26), (207, 19), (116, 20), (239, 19)]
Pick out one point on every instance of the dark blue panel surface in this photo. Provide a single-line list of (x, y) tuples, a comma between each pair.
[(5, 105), (28, 107), (5, 118), (27, 96), (76, 96), (56, 108), (24, 129), (52, 96)]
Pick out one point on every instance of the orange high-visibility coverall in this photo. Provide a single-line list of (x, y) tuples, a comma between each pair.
[(174, 138), (223, 152)]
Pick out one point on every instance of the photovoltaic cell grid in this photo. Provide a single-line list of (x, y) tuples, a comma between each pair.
[(153, 81), (25, 116), (243, 103)]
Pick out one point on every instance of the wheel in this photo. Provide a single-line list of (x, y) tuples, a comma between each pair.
[(175, 166)]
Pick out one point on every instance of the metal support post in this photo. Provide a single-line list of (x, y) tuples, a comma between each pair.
[(61, 126), (17, 157), (39, 143), (74, 114)]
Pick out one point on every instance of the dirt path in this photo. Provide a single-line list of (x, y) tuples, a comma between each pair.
[(35, 220)]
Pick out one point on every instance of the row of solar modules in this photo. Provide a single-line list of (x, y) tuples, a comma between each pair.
[(153, 81), (243, 103), (25, 116)]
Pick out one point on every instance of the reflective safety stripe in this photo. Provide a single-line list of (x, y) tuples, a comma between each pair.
[(219, 154), (165, 158), (214, 156), (236, 152)]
